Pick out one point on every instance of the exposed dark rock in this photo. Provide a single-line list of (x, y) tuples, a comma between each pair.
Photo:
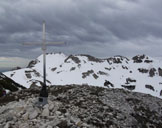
[(124, 67), (138, 58), (148, 61), (142, 70), (102, 73), (59, 72), (117, 59), (161, 93), (12, 74), (73, 68), (160, 71), (108, 68), (53, 69), (108, 84), (74, 58), (95, 76), (32, 63), (129, 87), (37, 74), (85, 74), (129, 80), (150, 87), (79, 65), (28, 74), (152, 72)]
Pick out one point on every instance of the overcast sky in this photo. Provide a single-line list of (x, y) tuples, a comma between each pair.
[(100, 28)]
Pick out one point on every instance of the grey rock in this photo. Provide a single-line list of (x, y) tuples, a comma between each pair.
[(1, 126), (7, 125), (26, 116), (84, 106), (45, 112), (51, 106), (58, 113), (49, 126), (33, 114), (24, 125), (10, 118)]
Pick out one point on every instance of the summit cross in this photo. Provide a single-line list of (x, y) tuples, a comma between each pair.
[(44, 93)]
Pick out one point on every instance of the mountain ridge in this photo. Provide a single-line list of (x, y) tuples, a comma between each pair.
[(139, 73)]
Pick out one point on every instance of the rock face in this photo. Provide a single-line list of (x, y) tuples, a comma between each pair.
[(160, 71), (71, 57), (75, 106), (32, 63), (152, 72), (141, 58), (8, 84)]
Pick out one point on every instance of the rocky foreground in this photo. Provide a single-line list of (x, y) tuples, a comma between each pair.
[(83, 106)]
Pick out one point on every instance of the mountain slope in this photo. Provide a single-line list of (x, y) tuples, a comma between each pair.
[(140, 73), (8, 84), (78, 106)]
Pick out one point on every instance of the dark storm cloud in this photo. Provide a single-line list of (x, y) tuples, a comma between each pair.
[(96, 27)]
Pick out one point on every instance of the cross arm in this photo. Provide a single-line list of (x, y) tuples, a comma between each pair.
[(32, 43), (55, 43), (48, 43)]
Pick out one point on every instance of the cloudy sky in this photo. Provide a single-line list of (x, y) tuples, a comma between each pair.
[(100, 28)]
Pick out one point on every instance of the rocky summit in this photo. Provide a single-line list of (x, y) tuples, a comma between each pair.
[(80, 106)]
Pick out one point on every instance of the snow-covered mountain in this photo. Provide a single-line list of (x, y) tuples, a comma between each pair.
[(140, 73)]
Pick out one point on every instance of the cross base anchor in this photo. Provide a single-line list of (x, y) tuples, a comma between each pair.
[(41, 102), (43, 97)]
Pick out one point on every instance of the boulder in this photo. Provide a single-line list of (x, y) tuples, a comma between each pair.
[(33, 115), (45, 112)]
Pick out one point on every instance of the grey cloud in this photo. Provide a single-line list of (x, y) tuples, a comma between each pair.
[(89, 26)]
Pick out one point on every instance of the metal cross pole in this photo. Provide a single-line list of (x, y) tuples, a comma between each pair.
[(44, 93)]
